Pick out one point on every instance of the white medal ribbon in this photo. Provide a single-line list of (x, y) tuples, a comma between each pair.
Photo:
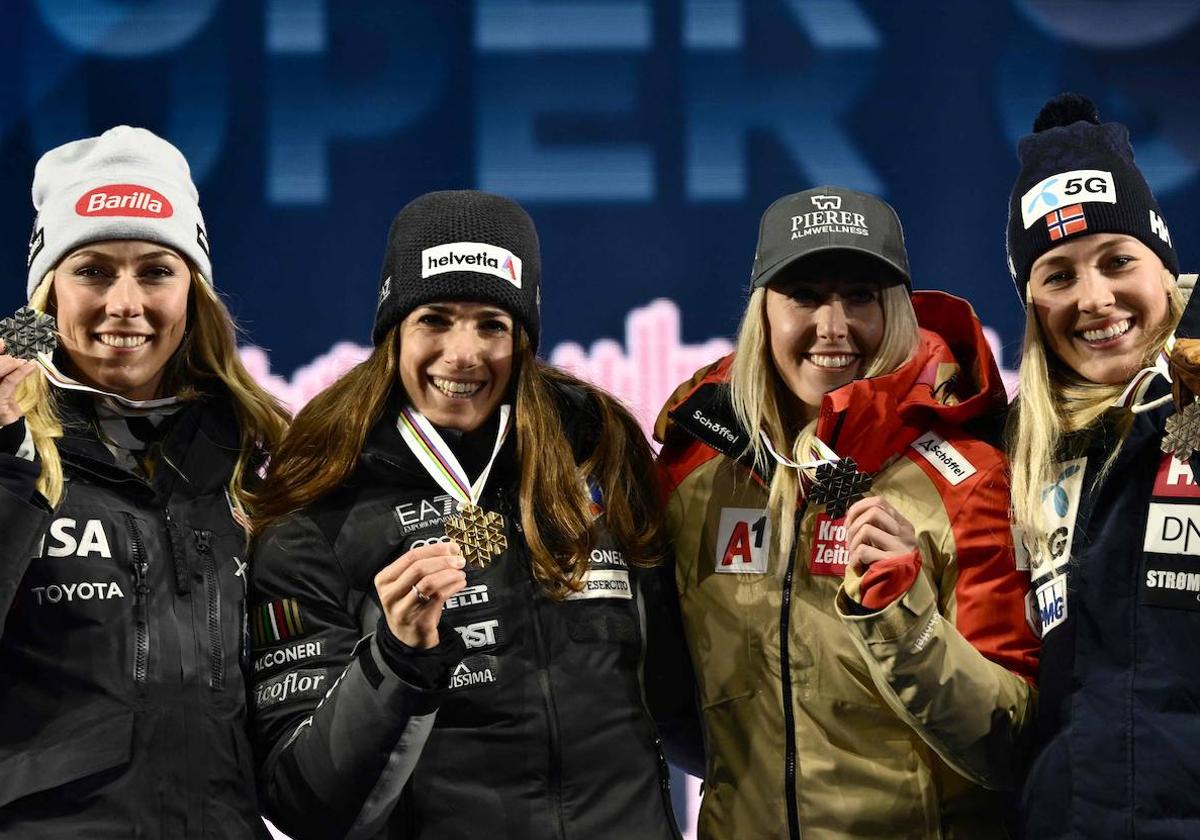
[(60, 380), (1135, 391), (828, 456), (435, 456)]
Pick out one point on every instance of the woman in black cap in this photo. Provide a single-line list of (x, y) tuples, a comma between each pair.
[(448, 639), (1109, 518)]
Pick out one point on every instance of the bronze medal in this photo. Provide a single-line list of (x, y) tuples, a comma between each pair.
[(1183, 432), (838, 485)]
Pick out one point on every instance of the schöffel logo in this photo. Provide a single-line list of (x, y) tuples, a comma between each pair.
[(124, 200), (472, 256), (826, 202)]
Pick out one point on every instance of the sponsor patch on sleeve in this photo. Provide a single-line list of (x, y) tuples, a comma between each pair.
[(1052, 603), (294, 685), (829, 552), (743, 541), (945, 458), (276, 621), (603, 583), (1060, 504), (299, 652)]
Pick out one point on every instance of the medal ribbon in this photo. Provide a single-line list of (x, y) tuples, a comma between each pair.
[(435, 456), (820, 450), (61, 380), (1131, 397)]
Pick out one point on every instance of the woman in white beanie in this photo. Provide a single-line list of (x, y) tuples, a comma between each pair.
[(128, 459)]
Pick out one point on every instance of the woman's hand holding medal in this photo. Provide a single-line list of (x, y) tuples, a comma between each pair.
[(13, 371), (413, 588), (875, 530)]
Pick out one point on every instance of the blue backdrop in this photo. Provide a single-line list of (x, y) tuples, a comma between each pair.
[(645, 138)]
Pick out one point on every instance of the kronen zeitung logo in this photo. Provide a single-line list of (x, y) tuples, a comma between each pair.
[(472, 256), (828, 218)]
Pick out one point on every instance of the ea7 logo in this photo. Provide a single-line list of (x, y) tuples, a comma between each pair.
[(479, 634), (424, 512), (64, 543), (826, 202)]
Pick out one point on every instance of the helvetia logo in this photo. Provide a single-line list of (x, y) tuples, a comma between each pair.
[(472, 256), (124, 200)]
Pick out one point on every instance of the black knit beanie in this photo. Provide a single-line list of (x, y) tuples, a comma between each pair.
[(1078, 178), (461, 245)]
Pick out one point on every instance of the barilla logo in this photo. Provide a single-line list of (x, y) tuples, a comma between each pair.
[(472, 256), (124, 200), (829, 553)]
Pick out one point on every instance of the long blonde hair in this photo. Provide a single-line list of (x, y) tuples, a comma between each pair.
[(756, 391), (208, 352), (1053, 402)]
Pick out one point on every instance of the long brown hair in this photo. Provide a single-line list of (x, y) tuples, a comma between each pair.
[(327, 436)]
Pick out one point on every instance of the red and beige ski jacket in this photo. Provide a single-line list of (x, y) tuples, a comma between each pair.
[(834, 705)]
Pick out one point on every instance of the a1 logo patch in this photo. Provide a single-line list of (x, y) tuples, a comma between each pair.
[(829, 552), (743, 540)]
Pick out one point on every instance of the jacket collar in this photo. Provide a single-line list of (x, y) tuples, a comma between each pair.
[(200, 449), (952, 377)]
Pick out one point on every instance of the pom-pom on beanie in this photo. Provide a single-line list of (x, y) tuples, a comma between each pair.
[(1077, 178)]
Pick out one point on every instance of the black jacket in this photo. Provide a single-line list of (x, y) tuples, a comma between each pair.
[(1119, 708), (122, 697), (528, 719)]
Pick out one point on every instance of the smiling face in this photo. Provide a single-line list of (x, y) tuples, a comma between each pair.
[(1101, 300), (456, 361), (122, 310), (823, 331)]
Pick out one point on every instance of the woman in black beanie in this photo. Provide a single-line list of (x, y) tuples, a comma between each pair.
[(1109, 519), (449, 638)]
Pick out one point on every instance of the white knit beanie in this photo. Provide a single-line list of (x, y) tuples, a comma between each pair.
[(127, 183)]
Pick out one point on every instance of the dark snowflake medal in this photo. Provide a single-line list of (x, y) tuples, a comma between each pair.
[(28, 333), (837, 485), (1183, 432), (478, 532)]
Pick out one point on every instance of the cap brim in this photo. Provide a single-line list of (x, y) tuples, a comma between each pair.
[(897, 273)]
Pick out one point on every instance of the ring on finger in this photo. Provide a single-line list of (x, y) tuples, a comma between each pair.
[(422, 598)]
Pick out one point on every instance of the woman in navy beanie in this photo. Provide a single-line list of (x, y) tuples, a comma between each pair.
[(1106, 511), (450, 633)]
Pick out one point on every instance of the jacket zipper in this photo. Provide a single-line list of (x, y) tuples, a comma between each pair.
[(552, 720), (141, 591), (785, 669), (216, 653)]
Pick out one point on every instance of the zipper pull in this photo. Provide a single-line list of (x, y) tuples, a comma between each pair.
[(140, 591), (203, 540)]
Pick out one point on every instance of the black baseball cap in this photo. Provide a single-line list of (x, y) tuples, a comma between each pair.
[(827, 219)]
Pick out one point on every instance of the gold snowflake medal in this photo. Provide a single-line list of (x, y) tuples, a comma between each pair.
[(478, 532)]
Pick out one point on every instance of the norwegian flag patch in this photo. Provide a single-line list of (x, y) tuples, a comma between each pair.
[(1065, 222)]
